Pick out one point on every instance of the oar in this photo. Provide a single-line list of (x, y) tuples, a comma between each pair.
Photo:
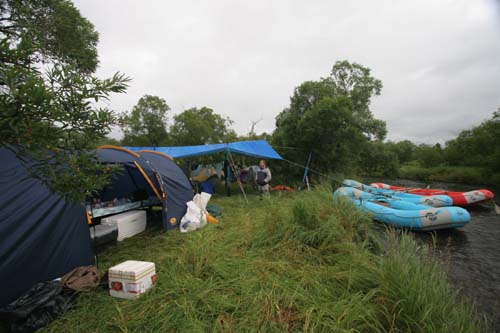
[(497, 209)]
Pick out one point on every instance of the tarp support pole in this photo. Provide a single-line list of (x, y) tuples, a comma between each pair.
[(238, 177), (305, 178), (228, 173)]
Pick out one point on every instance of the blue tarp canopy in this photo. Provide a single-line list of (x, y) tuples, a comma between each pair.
[(256, 148)]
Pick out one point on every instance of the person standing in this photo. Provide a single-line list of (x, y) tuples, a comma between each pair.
[(263, 178)]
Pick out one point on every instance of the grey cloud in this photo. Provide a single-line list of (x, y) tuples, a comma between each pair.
[(438, 60)]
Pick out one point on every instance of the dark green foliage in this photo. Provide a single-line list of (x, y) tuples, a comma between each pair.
[(109, 141), (452, 174), (254, 136), (473, 157), (201, 126), (48, 31), (429, 156), (479, 146), (48, 94), (331, 118), (405, 150), (378, 160), (146, 124)]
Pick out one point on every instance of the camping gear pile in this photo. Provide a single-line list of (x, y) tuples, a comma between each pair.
[(197, 215), (202, 172), (37, 221), (148, 178), (409, 210), (49, 300), (252, 148), (65, 234)]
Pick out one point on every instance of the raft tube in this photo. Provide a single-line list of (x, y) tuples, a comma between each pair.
[(428, 200), (459, 198), (413, 217), (386, 200)]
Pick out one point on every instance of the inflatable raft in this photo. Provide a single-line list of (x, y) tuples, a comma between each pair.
[(404, 214), (438, 200), (459, 198)]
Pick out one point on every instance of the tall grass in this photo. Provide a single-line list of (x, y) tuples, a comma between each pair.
[(299, 262)]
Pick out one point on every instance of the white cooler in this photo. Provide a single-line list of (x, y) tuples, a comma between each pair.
[(131, 278), (129, 223)]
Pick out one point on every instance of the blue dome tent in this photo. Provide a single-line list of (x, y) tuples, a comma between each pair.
[(43, 236)]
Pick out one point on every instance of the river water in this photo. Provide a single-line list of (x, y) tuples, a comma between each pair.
[(471, 254)]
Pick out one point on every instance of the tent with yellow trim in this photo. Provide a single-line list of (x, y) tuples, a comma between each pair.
[(149, 177), (43, 236)]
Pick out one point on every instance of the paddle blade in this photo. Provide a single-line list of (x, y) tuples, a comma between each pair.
[(497, 209), (428, 186)]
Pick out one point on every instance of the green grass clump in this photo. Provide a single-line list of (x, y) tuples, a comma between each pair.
[(298, 262)]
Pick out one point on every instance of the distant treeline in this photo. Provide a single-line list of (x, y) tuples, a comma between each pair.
[(330, 119), (472, 157)]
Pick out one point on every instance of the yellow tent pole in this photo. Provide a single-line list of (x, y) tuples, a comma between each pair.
[(121, 149), (157, 153), (145, 175)]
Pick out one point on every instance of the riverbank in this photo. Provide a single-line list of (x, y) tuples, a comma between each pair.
[(299, 262), (449, 174)]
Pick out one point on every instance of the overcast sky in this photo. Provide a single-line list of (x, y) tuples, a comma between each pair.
[(439, 61)]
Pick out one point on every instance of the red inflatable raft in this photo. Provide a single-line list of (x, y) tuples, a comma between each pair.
[(459, 198)]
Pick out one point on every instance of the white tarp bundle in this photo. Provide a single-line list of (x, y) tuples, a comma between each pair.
[(196, 215)]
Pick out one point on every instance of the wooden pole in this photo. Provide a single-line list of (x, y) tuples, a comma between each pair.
[(237, 177)]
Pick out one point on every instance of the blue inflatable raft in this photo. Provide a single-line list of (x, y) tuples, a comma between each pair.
[(404, 214), (430, 200)]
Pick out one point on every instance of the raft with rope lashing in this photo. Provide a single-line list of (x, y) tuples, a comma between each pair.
[(459, 198), (404, 214), (438, 200)]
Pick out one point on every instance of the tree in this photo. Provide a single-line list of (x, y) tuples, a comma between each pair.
[(355, 82), (48, 90), (378, 160), (331, 117), (109, 141), (47, 31), (430, 156), (253, 136), (478, 146), (201, 126), (404, 150), (146, 124)]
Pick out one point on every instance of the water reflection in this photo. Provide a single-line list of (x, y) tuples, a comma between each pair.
[(470, 254)]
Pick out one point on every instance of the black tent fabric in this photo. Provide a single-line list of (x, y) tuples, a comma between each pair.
[(42, 236), (177, 186)]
